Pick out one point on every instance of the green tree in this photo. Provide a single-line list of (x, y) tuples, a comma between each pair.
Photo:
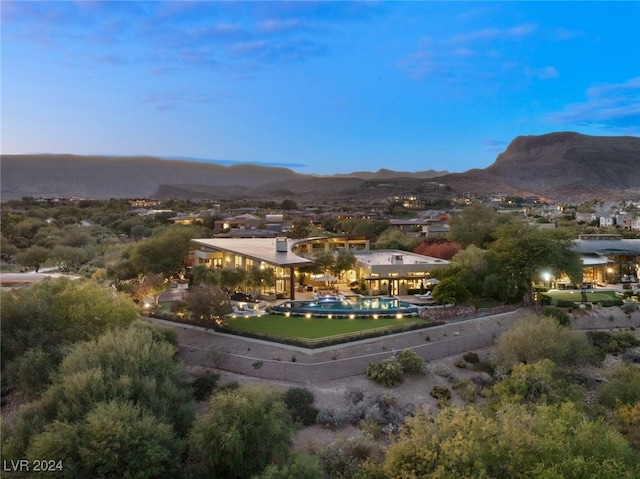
[(201, 274), (53, 314), (233, 278), (133, 366), (150, 285), (165, 252), (344, 260), (241, 433), (115, 439), (288, 204), (34, 257), (451, 291), (208, 303), (394, 238), (261, 278), (474, 225), (522, 252)]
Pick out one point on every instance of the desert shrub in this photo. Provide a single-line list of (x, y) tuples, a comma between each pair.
[(331, 419), (441, 393), (623, 387), (387, 372), (299, 466), (471, 357), (411, 362), (203, 386), (629, 308), (343, 458), (354, 395), (465, 389), (300, 401), (560, 315), (539, 337), (612, 343), (461, 363), (440, 370)]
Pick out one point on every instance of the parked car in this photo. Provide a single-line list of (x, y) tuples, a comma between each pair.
[(238, 296)]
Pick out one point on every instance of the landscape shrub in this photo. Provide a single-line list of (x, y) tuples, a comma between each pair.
[(612, 343), (441, 393), (629, 308), (387, 372), (440, 370), (330, 418), (203, 386), (623, 386), (608, 303), (471, 357), (299, 402), (465, 389), (461, 363), (411, 362), (561, 303), (342, 458), (560, 315)]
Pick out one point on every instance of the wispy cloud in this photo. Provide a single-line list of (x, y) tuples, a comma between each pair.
[(173, 99), (544, 73), (488, 34), (494, 145), (614, 106), (473, 55)]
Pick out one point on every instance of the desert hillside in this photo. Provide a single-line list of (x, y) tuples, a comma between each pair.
[(559, 166)]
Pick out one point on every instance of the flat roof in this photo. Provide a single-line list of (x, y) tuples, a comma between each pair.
[(387, 257), (608, 247), (259, 249)]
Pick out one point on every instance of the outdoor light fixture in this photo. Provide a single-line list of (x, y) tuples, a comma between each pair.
[(330, 316), (352, 316), (308, 315), (398, 316), (375, 316)]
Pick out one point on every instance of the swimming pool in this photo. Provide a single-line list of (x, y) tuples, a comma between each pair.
[(348, 307)]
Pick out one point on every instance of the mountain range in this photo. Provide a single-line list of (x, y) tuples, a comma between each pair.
[(560, 166)]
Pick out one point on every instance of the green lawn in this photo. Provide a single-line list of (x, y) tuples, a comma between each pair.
[(312, 328), (577, 297)]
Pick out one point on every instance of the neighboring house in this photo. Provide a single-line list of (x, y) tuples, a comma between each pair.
[(394, 272), (243, 221), (606, 221), (586, 217), (144, 202), (435, 228), (624, 220), (608, 258), (406, 225)]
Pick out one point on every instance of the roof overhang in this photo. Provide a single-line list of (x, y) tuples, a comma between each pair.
[(257, 249)]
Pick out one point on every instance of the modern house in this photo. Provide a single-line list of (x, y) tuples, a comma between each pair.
[(382, 271), (609, 258)]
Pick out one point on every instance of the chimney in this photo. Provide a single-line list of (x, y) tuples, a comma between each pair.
[(281, 245)]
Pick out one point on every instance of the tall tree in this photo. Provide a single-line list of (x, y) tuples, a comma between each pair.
[(522, 252)]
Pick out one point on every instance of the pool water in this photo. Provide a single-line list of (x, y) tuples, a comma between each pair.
[(351, 306)]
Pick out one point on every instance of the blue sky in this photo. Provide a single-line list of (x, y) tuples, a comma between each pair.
[(329, 87)]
